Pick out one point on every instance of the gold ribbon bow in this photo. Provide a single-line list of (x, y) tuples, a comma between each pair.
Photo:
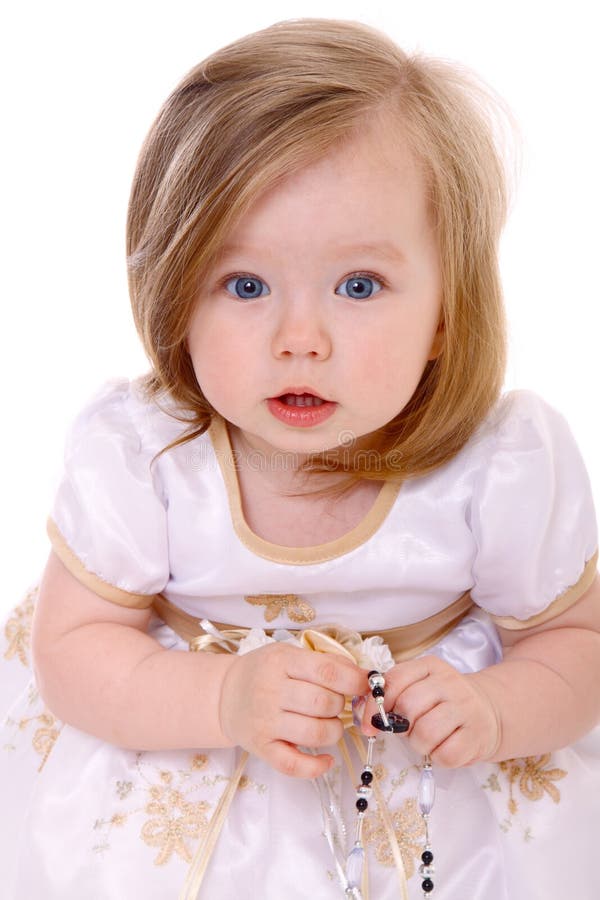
[(327, 639)]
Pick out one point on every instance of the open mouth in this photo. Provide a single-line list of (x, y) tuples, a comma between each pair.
[(301, 400), (301, 408)]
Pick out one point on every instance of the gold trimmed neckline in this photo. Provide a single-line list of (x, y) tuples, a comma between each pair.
[(358, 535)]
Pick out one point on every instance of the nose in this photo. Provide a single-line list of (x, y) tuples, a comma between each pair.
[(301, 329)]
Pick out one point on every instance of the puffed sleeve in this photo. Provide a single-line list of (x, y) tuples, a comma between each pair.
[(532, 516), (108, 522)]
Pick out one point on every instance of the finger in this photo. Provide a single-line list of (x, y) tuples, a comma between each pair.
[(405, 674), (328, 670), (398, 680), (311, 700), (419, 699), (457, 750), (289, 760), (309, 731), (431, 730)]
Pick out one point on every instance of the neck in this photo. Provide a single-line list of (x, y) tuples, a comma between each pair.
[(278, 472)]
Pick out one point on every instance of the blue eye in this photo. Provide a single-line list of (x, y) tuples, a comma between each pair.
[(247, 287), (360, 287)]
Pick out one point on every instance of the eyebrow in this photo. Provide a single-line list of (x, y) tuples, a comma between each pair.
[(383, 249)]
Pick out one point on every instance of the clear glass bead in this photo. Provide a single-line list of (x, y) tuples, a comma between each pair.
[(354, 866), (426, 871), (426, 794), (358, 704)]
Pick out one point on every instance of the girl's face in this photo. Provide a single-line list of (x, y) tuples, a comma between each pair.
[(329, 286)]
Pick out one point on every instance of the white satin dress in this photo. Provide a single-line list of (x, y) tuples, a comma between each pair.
[(509, 519)]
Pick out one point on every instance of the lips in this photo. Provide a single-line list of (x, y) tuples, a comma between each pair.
[(301, 406), (303, 395)]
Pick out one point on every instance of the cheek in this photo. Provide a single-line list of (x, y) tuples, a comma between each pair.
[(396, 358), (205, 354), (218, 359), (387, 377)]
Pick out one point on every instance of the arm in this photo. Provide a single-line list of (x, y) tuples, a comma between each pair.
[(542, 696), (546, 689), (98, 669)]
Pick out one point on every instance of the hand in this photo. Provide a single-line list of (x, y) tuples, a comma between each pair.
[(451, 717), (279, 696)]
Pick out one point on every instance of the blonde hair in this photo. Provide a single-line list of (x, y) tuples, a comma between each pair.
[(268, 105)]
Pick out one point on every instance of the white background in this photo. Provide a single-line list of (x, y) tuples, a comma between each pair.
[(81, 83)]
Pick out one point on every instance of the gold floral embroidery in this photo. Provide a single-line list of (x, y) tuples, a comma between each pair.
[(175, 822), (173, 816), (380, 772), (123, 788), (45, 736), (533, 777), (493, 783), (17, 630), (410, 833), (298, 610), (406, 818)]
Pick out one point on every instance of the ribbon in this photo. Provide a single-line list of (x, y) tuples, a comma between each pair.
[(327, 639)]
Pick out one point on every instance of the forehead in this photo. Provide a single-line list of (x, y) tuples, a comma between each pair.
[(358, 195)]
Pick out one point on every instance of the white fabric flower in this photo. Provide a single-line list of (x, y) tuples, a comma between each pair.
[(375, 654), (255, 638)]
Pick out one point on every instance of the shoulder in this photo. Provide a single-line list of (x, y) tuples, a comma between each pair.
[(536, 435), (516, 414), (532, 514), (108, 523), (522, 428), (120, 411), (527, 451)]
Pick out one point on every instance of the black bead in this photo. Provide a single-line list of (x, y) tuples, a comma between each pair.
[(377, 691), (366, 777), (427, 857), (427, 885), (373, 672), (361, 804)]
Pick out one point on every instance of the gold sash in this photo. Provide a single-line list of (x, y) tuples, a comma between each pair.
[(405, 642)]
